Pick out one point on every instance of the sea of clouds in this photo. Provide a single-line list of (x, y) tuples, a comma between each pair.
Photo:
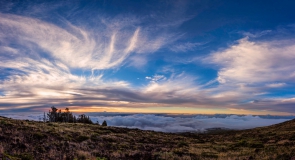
[(172, 123)]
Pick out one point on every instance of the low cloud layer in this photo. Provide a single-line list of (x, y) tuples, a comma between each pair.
[(173, 123), (183, 124)]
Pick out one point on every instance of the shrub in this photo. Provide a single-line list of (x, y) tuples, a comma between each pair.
[(209, 155), (178, 152), (292, 138), (182, 144), (39, 136), (104, 123), (241, 143), (3, 122), (256, 145), (82, 138), (283, 156), (50, 124), (82, 155), (94, 137), (26, 156)]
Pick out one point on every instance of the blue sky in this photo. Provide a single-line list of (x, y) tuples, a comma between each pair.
[(182, 56)]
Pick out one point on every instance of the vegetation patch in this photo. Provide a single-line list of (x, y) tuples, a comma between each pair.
[(256, 145), (81, 138), (39, 135), (209, 155)]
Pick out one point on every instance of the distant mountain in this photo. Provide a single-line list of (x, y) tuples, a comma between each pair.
[(23, 139)]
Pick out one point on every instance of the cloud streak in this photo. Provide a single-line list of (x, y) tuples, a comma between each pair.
[(73, 46), (40, 60), (185, 47), (108, 60)]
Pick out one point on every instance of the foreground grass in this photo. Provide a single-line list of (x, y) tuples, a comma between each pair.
[(36, 140)]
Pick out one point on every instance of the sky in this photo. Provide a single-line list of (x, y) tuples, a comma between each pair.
[(152, 56)]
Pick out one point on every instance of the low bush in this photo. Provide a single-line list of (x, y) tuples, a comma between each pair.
[(82, 138)]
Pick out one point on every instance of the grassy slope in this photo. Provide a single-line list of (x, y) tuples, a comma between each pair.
[(36, 140)]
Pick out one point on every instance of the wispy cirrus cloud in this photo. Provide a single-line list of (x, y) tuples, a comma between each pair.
[(185, 47), (276, 85), (74, 47), (43, 61), (53, 56), (51, 82)]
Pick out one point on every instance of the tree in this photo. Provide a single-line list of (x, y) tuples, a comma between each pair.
[(56, 115), (84, 119), (75, 119), (104, 123), (67, 114), (52, 115), (44, 118)]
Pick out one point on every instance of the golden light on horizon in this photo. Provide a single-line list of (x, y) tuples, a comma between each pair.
[(172, 110)]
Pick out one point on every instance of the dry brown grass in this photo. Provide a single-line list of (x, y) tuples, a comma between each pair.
[(37, 140)]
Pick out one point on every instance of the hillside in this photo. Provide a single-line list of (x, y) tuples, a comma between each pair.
[(20, 139)]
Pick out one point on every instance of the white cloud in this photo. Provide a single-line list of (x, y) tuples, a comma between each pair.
[(138, 61), (256, 62), (156, 78), (185, 47), (106, 47), (257, 34), (24, 116), (41, 57), (181, 86), (183, 124), (276, 85)]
